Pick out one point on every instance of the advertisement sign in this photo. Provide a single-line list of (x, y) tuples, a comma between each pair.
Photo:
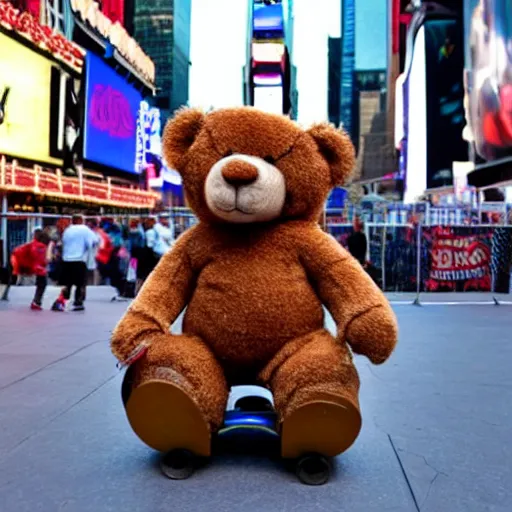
[(444, 45), (24, 103), (460, 260), (116, 34), (270, 79), (267, 52), (488, 78), (268, 21), (269, 99), (111, 115)]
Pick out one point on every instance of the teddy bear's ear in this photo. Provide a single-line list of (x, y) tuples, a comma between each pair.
[(179, 135), (337, 149)]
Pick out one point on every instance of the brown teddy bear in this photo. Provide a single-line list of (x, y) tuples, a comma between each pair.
[(253, 275)]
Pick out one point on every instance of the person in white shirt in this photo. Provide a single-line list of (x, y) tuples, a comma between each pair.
[(77, 242), (165, 234)]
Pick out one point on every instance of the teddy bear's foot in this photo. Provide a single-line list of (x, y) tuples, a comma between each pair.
[(327, 424), (166, 418)]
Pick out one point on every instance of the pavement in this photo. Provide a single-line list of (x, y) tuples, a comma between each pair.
[(437, 422)]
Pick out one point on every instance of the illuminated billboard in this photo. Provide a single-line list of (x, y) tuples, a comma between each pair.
[(111, 117), (430, 107), (267, 52), (269, 99), (268, 79), (25, 78), (488, 77), (268, 21)]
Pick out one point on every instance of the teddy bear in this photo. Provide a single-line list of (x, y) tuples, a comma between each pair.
[(253, 278)]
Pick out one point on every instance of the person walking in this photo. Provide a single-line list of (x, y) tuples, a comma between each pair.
[(77, 241), (32, 259), (165, 230)]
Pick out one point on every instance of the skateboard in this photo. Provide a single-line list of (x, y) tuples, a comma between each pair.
[(250, 428)]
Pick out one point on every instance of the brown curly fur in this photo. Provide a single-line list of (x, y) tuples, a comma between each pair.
[(254, 293)]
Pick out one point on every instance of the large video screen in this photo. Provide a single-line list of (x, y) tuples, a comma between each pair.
[(111, 114), (25, 126), (267, 52), (412, 138), (268, 79), (269, 99), (268, 21), (488, 25), (444, 59)]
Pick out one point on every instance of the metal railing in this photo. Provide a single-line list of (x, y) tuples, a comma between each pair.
[(402, 257)]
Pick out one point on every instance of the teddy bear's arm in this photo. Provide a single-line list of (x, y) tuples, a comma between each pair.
[(160, 301), (362, 313)]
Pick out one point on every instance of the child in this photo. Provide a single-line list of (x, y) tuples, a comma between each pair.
[(32, 259)]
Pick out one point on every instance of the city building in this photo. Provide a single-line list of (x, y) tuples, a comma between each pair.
[(334, 79), (348, 107), (363, 88), (162, 28), (68, 116), (269, 77)]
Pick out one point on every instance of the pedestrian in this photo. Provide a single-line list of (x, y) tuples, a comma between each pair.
[(357, 243), (165, 231), (32, 259), (77, 242), (147, 257)]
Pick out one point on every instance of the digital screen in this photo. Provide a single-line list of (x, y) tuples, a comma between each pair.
[(268, 79), (25, 78), (111, 117), (488, 83), (268, 21), (444, 58), (267, 52), (413, 146), (269, 99)]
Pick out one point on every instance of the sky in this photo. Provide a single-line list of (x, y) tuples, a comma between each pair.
[(218, 50)]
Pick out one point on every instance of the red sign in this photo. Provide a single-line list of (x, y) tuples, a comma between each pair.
[(42, 36), (114, 10), (459, 258)]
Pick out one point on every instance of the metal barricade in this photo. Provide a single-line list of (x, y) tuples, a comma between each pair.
[(402, 257)]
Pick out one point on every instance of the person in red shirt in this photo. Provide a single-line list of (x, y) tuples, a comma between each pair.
[(32, 259)]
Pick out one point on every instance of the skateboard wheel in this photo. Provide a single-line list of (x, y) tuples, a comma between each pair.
[(178, 464), (253, 404), (313, 470)]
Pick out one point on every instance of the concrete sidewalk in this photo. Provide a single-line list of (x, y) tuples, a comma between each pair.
[(436, 434)]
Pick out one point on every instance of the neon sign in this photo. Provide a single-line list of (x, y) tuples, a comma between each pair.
[(115, 33), (110, 112)]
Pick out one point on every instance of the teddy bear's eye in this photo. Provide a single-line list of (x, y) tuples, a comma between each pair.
[(270, 159)]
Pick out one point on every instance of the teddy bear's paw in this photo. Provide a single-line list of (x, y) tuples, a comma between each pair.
[(166, 418), (374, 334), (327, 425)]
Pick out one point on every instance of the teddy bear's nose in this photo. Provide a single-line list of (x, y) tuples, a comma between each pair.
[(238, 173)]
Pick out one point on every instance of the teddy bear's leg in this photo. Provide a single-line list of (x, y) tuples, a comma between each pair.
[(315, 386), (178, 395)]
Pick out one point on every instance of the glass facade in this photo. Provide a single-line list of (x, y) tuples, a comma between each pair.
[(347, 94), (162, 28)]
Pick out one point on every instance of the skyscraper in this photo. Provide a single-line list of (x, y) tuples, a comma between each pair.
[(348, 112), (162, 28)]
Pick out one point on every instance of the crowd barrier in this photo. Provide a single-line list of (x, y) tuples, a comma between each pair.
[(456, 258), (402, 257)]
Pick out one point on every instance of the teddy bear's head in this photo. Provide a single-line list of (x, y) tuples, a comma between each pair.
[(241, 165)]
